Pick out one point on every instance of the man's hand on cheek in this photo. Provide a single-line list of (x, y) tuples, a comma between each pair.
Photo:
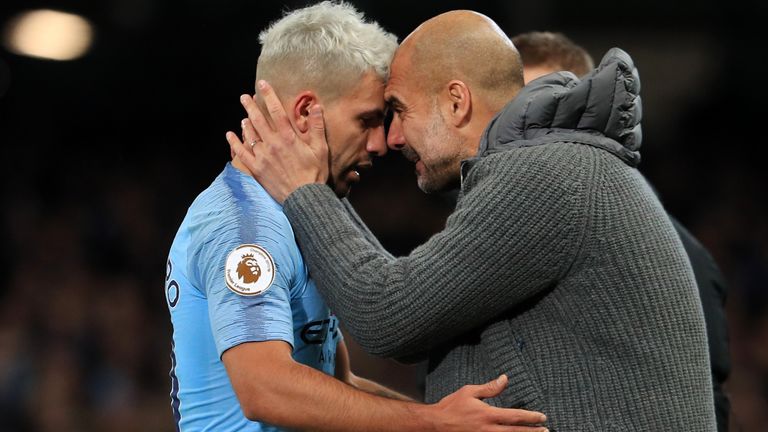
[(279, 158)]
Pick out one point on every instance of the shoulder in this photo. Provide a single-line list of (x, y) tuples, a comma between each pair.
[(234, 199), (235, 210), (550, 165)]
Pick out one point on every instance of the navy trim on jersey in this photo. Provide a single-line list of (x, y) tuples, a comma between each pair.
[(175, 402)]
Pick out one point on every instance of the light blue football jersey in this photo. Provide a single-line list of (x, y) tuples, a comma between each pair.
[(235, 275)]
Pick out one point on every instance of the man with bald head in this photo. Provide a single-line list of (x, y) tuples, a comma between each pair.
[(255, 348), (558, 267), (427, 79)]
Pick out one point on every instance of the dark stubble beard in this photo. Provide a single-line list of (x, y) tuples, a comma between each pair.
[(442, 173)]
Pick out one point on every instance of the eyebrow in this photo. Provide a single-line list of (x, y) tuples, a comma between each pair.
[(376, 113), (394, 102)]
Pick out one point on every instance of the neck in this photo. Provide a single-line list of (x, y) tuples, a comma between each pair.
[(479, 123)]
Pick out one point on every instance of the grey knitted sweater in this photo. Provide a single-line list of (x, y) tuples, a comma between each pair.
[(559, 267)]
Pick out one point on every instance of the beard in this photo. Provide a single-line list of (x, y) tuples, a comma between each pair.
[(441, 171), (410, 154)]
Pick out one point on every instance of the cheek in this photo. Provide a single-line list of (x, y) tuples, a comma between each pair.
[(334, 142), (414, 135), (416, 129), (355, 144), (344, 152)]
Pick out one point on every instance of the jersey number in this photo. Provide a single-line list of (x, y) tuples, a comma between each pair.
[(172, 291)]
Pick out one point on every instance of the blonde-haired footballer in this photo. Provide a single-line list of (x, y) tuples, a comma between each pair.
[(255, 348)]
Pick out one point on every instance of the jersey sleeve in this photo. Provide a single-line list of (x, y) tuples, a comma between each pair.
[(246, 269)]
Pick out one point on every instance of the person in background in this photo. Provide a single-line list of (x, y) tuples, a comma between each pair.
[(547, 52)]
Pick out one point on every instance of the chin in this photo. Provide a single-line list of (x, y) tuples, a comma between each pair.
[(342, 190), (426, 186), (432, 185)]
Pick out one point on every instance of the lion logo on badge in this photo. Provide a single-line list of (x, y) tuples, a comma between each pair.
[(249, 270)]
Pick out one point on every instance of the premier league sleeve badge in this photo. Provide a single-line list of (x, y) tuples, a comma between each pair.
[(249, 270)]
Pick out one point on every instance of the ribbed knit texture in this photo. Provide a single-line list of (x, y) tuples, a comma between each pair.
[(559, 267)]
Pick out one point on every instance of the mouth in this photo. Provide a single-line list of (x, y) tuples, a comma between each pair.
[(418, 167), (363, 166), (410, 155)]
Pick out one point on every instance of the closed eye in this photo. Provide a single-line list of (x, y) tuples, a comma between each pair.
[(389, 114), (395, 105), (372, 119)]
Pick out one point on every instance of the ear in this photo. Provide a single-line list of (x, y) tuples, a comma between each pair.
[(460, 103), (301, 104)]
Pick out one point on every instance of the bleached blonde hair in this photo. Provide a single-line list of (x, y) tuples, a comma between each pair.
[(326, 48)]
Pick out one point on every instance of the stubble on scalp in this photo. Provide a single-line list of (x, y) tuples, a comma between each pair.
[(467, 46)]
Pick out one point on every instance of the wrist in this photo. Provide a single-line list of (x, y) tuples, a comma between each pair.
[(322, 177), (423, 417), (308, 188)]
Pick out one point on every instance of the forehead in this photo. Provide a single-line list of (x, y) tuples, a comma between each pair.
[(367, 93), (398, 86)]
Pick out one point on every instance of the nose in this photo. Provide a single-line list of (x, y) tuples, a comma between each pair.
[(377, 143), (395, 138)]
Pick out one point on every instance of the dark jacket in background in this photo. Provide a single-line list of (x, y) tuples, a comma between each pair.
[(713, 292)]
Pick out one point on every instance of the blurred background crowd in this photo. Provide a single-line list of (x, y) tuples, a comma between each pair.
[(101, 155)]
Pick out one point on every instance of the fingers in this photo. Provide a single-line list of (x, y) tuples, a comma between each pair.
[(274, 107), (512, 419), (257, 120), (500, 428), (316, 121), (235, 144), (317, 139), (489, 389), (241, 151), (250, 135), (512, 416)]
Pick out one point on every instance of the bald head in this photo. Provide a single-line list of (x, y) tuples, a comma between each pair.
[(447, 81), (466, 46)]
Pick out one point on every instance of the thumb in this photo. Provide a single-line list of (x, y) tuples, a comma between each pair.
[(492, 388), (317, 126)]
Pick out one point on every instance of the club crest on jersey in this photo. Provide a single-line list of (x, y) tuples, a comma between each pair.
[(249, 270)]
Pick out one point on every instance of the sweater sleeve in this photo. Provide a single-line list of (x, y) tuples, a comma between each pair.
[(366, 232), (499, 248)]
